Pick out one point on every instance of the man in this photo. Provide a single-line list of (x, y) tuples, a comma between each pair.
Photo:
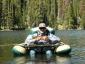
[(42, 36)]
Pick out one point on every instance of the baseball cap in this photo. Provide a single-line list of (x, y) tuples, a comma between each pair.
[(42, 25)]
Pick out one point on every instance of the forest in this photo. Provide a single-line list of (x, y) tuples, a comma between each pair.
[(59, 14)]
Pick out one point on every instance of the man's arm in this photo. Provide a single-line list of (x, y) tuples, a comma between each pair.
[(54, 39), (30, 39)]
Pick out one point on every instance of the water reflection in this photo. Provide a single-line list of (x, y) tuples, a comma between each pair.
[(42, 59), (66, 59), (20, 60), (1, 51)]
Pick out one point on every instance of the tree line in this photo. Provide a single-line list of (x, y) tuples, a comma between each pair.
[(59, 14)]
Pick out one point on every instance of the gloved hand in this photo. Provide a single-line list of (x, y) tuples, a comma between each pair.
[(45, 38), (42, 38), (38, 38)]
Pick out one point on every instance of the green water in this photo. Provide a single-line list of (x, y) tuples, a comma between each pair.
[(75, 38)]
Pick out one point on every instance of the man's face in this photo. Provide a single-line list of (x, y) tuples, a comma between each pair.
[(43, 29)]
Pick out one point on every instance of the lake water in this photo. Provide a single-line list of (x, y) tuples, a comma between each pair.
[(75, 38)]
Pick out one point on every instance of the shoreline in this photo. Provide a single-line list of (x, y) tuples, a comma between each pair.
[(28, 29)]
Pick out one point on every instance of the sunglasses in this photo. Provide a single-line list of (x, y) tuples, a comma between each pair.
[(42, 28)]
